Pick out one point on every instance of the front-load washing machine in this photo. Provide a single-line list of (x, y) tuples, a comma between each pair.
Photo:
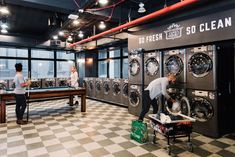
[(116, 91), (212, 112), (11, 84), (48, 83), (135, 99), (61, 82), (3, 85), (135, 66), (107, 88), (91, 87), (175, 63), (36, 83), (152, 66), (125, 98), (99, 90)]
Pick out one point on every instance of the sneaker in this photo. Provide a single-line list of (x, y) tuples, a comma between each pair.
[(21, 122)]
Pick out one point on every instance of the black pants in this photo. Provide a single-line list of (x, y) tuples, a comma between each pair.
[(146, 105), (20, 106)]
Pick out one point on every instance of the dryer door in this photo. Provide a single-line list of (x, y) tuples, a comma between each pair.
[(200, 64), (116, 88), (90, 86), (151, 67), (202, 109), (125, 90), (174, 65), (185, 106), (134, 67), (134, 98), (106, 88)]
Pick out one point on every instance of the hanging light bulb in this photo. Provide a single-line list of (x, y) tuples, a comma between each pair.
[(61, 33), (103, 2), (70, 38), (75, 22), (102, 25), (55, 37), (80, 35), (4, 10), (141, 9)]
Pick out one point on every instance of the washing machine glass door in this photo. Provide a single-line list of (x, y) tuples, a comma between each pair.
[(200, 64), (185, 106), (125, 89), (174, 65), (202, 109), (116, 88), (97, 86), (106, 88), (134, 98), (49, 83), (134, 67), (90, 86), (3, 86), (151, 67)]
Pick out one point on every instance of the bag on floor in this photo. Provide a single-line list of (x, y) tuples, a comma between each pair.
[(139, 131)]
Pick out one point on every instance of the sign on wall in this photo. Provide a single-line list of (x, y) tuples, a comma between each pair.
[(210, 28)]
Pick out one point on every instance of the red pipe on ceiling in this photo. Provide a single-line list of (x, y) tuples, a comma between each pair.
[(137, 21)]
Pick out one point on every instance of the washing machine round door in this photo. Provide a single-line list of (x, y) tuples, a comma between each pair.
[(151, 67), (90, 86), (125, 90), (174, 65), (202, 109), (134, 67), (106, 88), (134, 98), (97, 86), (185, 106), (3, 86), (200, 64), (116, 88)]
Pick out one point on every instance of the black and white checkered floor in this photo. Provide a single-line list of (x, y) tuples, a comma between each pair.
[(57, 130)]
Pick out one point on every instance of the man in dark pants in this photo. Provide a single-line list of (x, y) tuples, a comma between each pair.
[(19, 91), (155, 89)]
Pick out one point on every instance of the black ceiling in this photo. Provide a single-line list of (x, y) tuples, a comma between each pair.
[(44, 18)]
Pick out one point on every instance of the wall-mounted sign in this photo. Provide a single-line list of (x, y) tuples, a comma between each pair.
[(210, 28)]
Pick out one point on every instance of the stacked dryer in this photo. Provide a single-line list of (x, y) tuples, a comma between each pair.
[(208, 87), (135, 81), (175, 63)]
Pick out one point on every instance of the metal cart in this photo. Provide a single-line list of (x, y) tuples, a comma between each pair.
[(181, 127)]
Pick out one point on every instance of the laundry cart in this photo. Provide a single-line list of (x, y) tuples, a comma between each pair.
[(179, 126)]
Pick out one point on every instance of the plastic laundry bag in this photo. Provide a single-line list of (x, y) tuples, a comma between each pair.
[(139, 131)]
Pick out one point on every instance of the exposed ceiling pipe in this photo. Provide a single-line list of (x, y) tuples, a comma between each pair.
[(137, 21)]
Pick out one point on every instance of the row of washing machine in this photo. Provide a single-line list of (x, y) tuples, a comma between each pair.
[(39, 83), (204, 76), (106, 89)]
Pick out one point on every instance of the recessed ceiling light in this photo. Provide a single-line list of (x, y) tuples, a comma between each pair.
[(80, 35), (55, 37), (4, 10), (61, 33), (75, 22), (73, 16)]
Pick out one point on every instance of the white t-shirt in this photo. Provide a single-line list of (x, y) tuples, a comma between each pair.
[(74, 79), (18, 80), (158, 87)]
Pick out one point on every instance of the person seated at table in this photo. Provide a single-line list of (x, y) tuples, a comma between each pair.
[(19, 91), (74, 82), (154, 90)]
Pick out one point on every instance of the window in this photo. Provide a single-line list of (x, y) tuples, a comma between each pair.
[(7, 68), (114, 68), (42, 69), (102, 54), (65, 55), (102, 68), (125, 51), (63, 68), (42, 54), (125, 66), (114, 53), (13, 52)]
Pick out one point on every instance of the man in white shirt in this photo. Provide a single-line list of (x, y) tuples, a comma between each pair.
[(74, 81), (155, 89)]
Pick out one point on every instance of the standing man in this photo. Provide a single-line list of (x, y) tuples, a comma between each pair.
[(19, 91), (155, 89), (74, 81)]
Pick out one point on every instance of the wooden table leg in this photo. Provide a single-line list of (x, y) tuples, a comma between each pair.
[(83, 103), (71, 100), (3, 112)]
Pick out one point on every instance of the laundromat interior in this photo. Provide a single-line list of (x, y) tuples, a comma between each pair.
[(88, 64)]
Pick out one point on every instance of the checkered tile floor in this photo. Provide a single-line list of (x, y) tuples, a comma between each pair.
[(57, 130)]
